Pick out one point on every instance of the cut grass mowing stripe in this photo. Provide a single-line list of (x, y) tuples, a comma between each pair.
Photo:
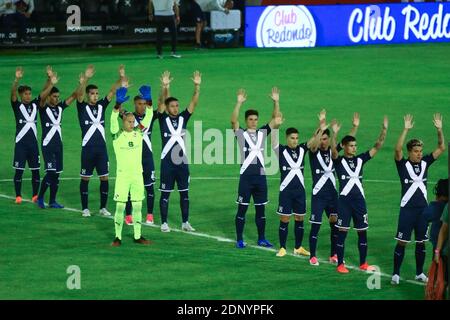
[(222, 239)]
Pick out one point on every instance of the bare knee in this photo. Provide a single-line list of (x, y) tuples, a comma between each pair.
[(104, 178), (284, 219), (299, 218)]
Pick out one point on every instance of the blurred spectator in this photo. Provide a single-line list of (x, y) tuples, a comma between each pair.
[(213, 5), (434, 211), (19, 12), (197, 16)]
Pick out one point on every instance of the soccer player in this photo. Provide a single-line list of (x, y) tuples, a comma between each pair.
[(413, 173), (324, 195), (252, 180), (26, 148), (352, 202), (140, 102), (52, 149), (91, 115), (127, 144), (174, 163)]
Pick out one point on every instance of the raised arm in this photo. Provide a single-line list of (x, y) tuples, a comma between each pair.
[(52, 80), (381, 138), (165, 90), (241, 97), (148, 117), (408, 124), (77, 90), (437, 121), (335, 126), (18, 76), (355, 125), (314, 141), (114, 121), (84, 79), (275, 96), (197, 80), (119, 82)]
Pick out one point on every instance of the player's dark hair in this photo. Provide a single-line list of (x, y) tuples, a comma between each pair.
[(251, 112), (91, 87), (54, 90), (414, 143), (441, 188), (22, 89), (347, 139), (290, 131), (326, 131), (136, 98), (169, 100)]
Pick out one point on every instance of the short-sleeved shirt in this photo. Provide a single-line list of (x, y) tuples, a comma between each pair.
[(25, 113), (343, 175), (87, 118), (256, 167), (418, 199), (317, 171), (297, 155), (50, 117), (146, 149), (169, 125)]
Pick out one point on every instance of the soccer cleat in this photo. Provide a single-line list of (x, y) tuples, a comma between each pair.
[(86, 213), (40, 203), (281, 252), (34, 198), (301, 252), (333, 259), (149, 219), (395, 279), (240, 244), (142, 240), (18, 200), (313, 261), (341, 268), (105, 212), (165, 227), (129, 220), (175, 55), (56, 205), (422, 278), (264, 243), (366, 267), (116, 242), (186, 226)]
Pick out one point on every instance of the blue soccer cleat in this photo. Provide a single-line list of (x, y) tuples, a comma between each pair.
[(56, 205), (240, 244), (264, 243), (40, 203)]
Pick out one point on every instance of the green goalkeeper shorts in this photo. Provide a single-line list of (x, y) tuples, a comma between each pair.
[(129, 185)]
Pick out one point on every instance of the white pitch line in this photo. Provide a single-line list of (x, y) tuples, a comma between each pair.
[(222, 239)]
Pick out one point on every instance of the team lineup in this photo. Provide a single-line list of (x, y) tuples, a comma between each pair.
[(135, 176)]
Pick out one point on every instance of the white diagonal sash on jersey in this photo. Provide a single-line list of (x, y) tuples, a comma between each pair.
[(96, 124), (295, 169), (255, 151), (417, 183), (175, 136), (327, 174), (30, 122), (55, 124), (146, 137), (353, 177)]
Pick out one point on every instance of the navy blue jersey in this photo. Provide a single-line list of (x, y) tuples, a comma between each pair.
[(147, 145), (350, 172), (92, 122), (292, 160), (173, 130), (26, 118), (252, 163), (322, 171), (51, 118), (414, 194)]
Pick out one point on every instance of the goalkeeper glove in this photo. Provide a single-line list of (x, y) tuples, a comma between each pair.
[(121, 96), (146, 94)]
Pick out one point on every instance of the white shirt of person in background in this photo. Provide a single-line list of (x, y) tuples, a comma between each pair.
[(164, 7), (7, 7), (215, 5)]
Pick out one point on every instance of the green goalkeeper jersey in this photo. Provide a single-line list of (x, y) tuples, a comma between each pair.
[(128, 146)]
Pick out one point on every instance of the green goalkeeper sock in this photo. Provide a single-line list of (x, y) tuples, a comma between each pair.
[(118, 219), (137, 218)]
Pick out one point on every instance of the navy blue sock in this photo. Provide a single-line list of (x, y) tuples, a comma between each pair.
[(399, 254), (84, 187), (18, 182), (340, 246), (150, 198), (54, 184), (333, 238), (362, 246), (299, 231), (420, 257), (44, 185), (184, 205), (35, 181), (128, 206), (283, 233), (104, 188), (315, 227), (164, 206), (240, 221), (260, 220)]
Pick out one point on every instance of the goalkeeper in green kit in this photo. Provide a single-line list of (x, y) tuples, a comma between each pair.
[(127, 142)]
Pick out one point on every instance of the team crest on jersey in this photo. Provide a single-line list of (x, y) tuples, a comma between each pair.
[(240, 199), (253, 136), (175, 123), (352, 165), (294, 155), (327, 159), (94, 112), (29, 110), (417, 169), (280, 209), (49, 165)]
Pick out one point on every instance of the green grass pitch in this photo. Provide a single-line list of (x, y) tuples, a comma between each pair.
[(39, 245)]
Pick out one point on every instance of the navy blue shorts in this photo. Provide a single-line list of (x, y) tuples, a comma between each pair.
[(171, 173), (292, 202), (94, 157), (197, 12), (149, 171), (26, 153), (252, 186), (412, 219), (349, 208), (53, 158), (327, 202)]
